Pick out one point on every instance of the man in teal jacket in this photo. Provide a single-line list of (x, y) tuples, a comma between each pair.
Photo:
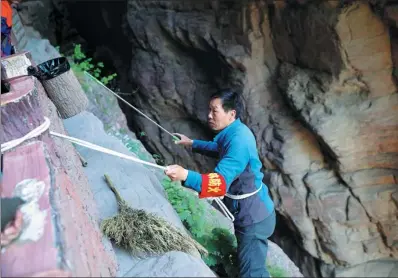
[(237, 177)]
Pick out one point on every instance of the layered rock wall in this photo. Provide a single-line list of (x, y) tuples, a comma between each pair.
[(319, 86)]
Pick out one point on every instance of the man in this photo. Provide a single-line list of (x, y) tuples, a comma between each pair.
[(237, 173)]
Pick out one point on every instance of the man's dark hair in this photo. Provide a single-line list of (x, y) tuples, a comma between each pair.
[(230, 99)]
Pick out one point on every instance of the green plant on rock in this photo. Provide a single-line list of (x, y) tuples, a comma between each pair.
[(221, 245), (276, 271), (133, 146), (81, 63), (159, 159), (219, 242)]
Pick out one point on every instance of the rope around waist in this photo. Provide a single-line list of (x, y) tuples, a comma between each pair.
[(243, 196), (224, 208)]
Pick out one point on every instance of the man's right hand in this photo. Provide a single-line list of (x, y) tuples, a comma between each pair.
[(185, 141)]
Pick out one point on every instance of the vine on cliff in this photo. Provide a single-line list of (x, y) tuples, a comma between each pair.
[(80, 63)]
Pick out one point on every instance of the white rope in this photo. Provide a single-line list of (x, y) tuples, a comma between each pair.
[(89, 145), (105, 150), (243, 196), (222, 206), (129, 104), (46, 124), (224, 209), (86, 144), (31, 134)]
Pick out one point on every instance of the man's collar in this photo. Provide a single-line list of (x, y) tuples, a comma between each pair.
[(221, 135)]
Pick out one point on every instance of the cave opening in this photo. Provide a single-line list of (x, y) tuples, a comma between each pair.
[(111, 47)]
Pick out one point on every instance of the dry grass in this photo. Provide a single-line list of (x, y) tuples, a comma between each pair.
[(144, 233)]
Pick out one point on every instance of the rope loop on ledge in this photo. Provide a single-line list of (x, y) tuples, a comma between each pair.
[(31, 134)]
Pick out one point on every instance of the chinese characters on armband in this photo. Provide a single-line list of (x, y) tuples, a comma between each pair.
[(213, 185)]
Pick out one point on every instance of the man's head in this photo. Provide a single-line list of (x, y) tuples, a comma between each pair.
[(224, 108)]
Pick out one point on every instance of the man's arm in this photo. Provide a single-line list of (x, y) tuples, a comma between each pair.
[(208, 148), (203, 147), (217, 183)]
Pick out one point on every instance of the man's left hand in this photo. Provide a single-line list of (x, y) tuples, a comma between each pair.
[(176, 173)]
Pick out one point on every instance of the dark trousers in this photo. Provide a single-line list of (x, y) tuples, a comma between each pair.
[(253, 246)]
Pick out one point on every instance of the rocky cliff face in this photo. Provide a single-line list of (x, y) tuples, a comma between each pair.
[(319, 86)]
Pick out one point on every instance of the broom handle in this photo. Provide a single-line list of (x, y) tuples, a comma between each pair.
[(112, 187)]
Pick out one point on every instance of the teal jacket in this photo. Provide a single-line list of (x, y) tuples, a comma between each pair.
[(239, 164)]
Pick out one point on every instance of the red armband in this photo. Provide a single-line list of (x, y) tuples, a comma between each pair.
[(213, 185)]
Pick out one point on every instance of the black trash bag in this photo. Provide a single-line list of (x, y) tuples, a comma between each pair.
[(44, 71), (50, 69), (5, 87)]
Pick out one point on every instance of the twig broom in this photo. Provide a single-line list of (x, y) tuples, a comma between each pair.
[(141, 232)]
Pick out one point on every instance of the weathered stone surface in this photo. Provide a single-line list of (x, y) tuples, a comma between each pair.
[(20, 109), (16, 65), (318, 83), (21, 166), (345, 125), (56, 225), (381, 268), (362, 34)]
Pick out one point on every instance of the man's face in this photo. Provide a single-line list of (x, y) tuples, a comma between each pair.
[(218, 118)]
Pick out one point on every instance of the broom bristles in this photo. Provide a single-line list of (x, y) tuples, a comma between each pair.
[(141, 232)]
